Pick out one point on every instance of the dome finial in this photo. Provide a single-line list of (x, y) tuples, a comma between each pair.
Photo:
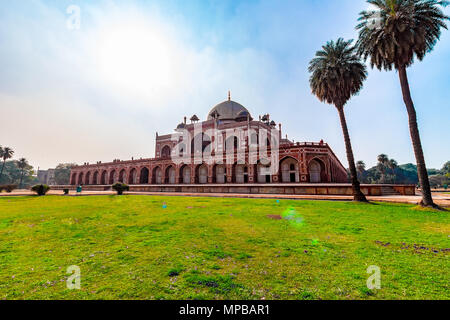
[(229, 95)]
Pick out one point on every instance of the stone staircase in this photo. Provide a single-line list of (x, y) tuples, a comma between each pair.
[(389, 191)]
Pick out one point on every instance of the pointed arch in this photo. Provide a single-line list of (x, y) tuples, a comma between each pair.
[(144, 176), (157, 175), (240, 173), (220, 173), (317, 171), (122, 176), (170, 175), (87, 179), (132, 176), (201, 174), (103, 178), (185, 174), (112, 177), (80, 179), (289, 170), (95, 178), (263, 170), (73, 180), (166, 152)]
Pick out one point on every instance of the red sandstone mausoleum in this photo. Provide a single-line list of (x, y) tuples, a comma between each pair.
[(224, 149)]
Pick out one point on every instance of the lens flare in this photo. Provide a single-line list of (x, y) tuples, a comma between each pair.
[(293, 217)]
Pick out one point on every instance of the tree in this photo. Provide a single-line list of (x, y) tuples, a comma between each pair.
[(360, 166), (392, 36), (383, 160), (62, 173), (438, 181), (41, 189), (336, 75), (5, 154), (361, 169), (446, 168), (12, 174), (120, 188), (23, 163), (392, 164)]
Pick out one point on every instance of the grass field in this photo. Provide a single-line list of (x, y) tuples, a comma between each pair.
[(130, 247)]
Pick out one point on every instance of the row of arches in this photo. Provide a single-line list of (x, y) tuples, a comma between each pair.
[(289, 172), (202, 143)]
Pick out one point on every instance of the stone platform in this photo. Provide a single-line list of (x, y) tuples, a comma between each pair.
[(277, 189)]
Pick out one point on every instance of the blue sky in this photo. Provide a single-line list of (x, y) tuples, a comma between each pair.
[(137, 67)]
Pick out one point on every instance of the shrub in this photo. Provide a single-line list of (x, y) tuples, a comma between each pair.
[(120, 188), (41, 189), (445, 186), (8, 187)]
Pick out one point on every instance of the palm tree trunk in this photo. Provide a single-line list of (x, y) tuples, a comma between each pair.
[(21, 179), (357, 194), (427, 200), (1, 172)]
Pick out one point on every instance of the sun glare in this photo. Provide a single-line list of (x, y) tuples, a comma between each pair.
[(134, 58)]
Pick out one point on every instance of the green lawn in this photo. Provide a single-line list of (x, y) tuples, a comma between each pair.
[(130, 247)]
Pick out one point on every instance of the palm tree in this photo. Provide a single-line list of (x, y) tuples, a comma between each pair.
[(23, 163), (403, 30), (361, 168), (381, 166), (393, 165), (383, 159), (6, 153), (336, 75)]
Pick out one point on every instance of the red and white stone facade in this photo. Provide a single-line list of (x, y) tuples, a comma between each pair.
[(225, 149)]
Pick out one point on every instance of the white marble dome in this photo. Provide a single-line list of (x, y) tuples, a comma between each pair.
[(229, 111)]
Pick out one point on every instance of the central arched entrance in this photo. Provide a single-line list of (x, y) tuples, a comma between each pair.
[(201, 143)]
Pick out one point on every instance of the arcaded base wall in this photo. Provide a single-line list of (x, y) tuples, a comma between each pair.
[(294, 189)]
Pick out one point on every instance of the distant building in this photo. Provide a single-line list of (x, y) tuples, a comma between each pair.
[(47, 177)]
